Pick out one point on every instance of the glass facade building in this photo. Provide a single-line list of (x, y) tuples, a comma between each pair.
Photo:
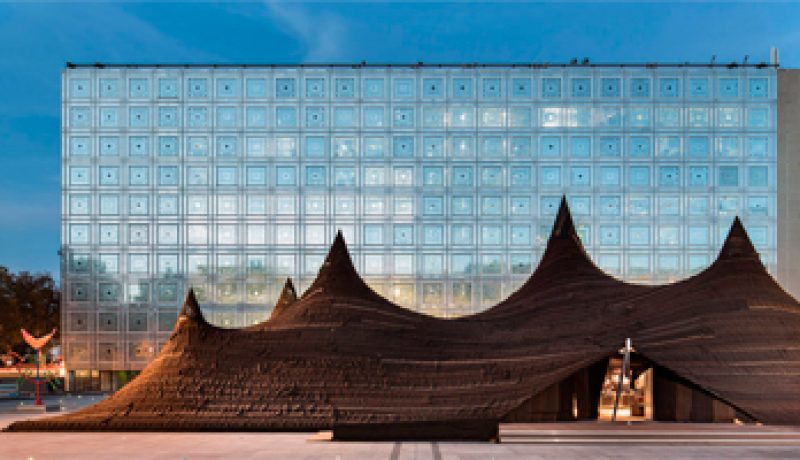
[(444, 180)]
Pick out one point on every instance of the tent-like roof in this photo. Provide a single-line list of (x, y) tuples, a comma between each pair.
[(341, 354)]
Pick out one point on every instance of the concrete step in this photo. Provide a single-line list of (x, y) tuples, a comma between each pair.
[(656, 434), (34, 409)]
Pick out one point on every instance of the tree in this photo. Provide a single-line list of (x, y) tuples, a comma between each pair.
[(26, 301)]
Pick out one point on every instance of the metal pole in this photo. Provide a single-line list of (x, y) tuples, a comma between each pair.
[(626, 362), (38, 381)]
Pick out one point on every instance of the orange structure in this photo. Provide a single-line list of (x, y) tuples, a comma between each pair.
[(37, 343)]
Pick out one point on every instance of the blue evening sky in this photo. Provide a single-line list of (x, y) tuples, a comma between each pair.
[(36, 39)]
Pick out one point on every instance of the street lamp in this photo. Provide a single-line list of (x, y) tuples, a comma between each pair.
[(37, 343)]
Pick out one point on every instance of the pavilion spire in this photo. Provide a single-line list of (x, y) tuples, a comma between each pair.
[(737, 244), (564, 239), (287, 297), (563, 226), (338, 275), (191, 308)]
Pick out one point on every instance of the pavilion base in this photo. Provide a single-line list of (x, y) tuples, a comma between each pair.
[(34, 409), (467, 430)]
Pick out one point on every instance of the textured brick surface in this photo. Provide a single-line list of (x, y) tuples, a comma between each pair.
[(343, 355)]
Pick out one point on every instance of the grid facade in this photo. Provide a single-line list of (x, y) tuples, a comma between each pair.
[(443, 179)]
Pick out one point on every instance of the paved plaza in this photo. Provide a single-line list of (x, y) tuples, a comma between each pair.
[(533, 441)]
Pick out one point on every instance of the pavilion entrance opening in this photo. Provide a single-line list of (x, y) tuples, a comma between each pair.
[(649, 392), (635, 395)]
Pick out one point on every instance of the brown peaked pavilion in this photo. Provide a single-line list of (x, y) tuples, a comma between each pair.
[(722, 344)]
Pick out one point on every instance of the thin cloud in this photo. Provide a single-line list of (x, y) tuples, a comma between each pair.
[(31, 214), (101, 32), (322, 34)]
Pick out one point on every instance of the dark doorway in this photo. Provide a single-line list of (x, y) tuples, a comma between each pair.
[(650, 392), (679, 400), (574, 398)]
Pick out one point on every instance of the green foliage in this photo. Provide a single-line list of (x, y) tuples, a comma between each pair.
[(123, 377), (47, 378), (26, 301)]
